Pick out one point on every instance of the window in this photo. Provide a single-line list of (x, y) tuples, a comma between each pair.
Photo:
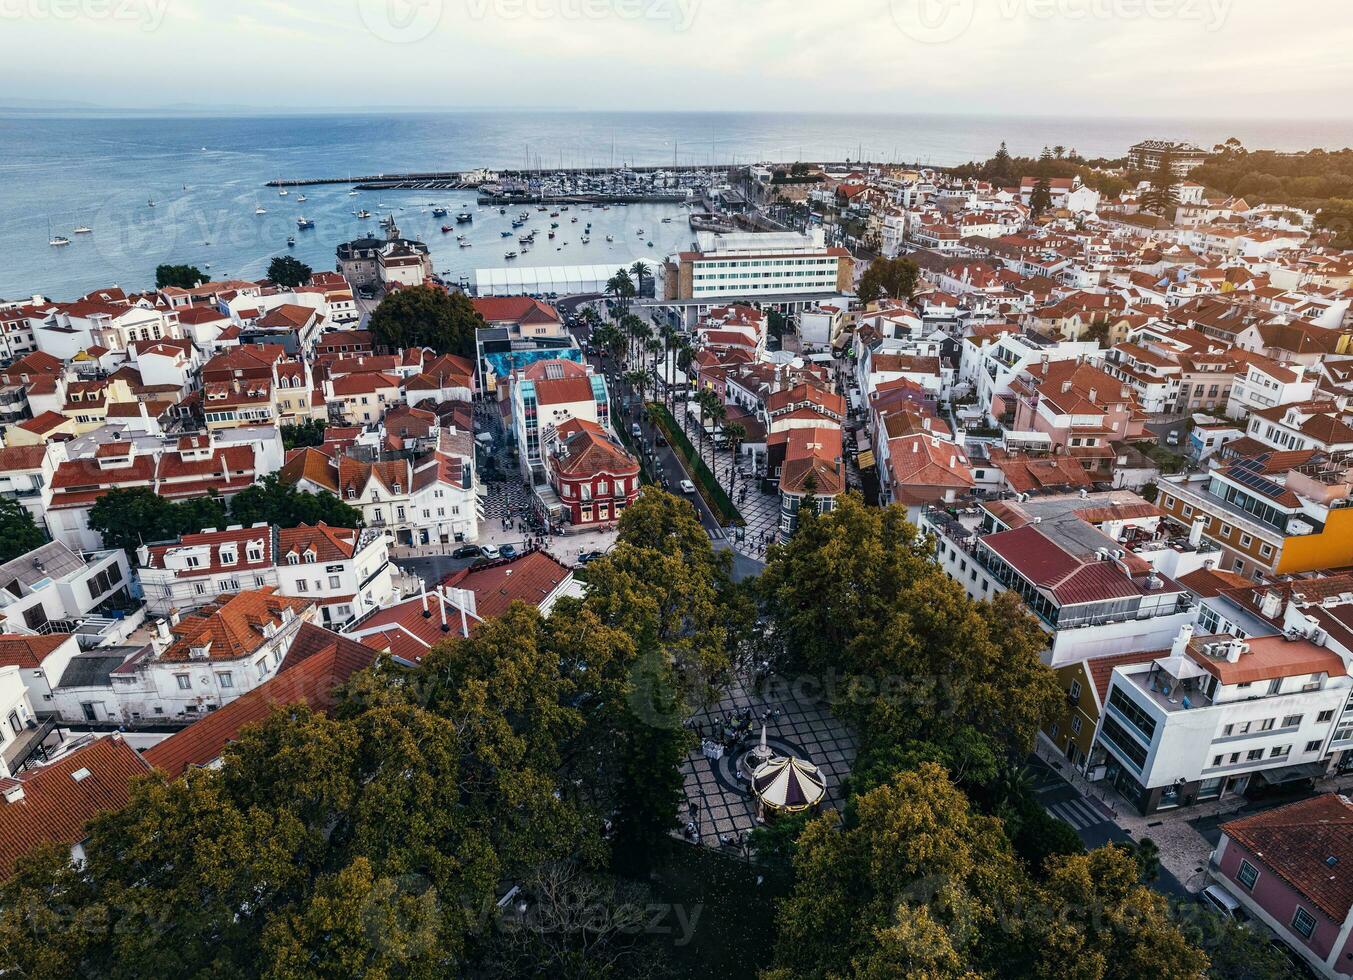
[(1254, 755), (302, 585), (1075, 690), (1247, 875), (1325, 716), (1292, 721), (185, 682), (1280, 752), (1314, 746), (333, 582), (1143, 722), (1216, 761), (1267, 724), (1076, 724), (225, 680), (1303, 922), (200, 588)]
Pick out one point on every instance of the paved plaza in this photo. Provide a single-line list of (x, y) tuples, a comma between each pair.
[(724, 810)]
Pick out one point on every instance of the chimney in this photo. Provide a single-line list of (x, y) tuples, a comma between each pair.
[(1181, 640), (441, 594), (1235, 650), (1272, 606), (1196, 533), (162, 631), (427, 613)]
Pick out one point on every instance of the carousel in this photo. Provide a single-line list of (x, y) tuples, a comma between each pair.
[(784, 785)]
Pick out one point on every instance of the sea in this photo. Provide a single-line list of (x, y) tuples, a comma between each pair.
[(206, 175)]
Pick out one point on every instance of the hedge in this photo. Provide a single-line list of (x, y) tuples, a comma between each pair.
[(714, 495)]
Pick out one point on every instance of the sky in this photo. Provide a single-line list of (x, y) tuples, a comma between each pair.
[(1129, 58)]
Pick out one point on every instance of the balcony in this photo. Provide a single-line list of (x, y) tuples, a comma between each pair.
[(1169, 693), (29, 743)]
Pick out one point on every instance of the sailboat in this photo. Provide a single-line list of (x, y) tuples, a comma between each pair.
[(84, 230), (301, 200)]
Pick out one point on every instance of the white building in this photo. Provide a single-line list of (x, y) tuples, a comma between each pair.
[(209, 657), (1211, 713)]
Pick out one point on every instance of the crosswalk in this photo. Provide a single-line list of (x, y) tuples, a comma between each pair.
[(1079, 813)]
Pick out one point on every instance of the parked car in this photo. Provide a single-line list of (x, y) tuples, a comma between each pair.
[(508, 551), (635, 431), (588, 557), (1222, 902), (468, 551), (489, 551), (687, 487), (1173, 438)]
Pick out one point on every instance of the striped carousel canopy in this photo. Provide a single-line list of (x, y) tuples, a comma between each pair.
[(789, 785)]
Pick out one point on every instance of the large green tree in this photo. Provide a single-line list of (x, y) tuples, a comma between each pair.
[(279, 503), (890, 278), (19, 534), (289, 271), (856, 594), (918, 884), (180, 276), (1163, 196), (426, 316)]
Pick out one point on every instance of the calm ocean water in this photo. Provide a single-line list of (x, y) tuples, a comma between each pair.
[(206, 175)]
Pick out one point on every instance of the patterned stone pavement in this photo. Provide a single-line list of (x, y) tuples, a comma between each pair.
[(798, 724)]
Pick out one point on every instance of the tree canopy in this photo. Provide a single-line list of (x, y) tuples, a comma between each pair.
[(276, 502), (894, 278), (19, 534), (426, 316), (180, 276), (289, 271)]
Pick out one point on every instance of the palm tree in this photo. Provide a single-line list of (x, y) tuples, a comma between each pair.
[(705, 400), (654, 346), (639, 380), (671, 340), (609, 339), (640, 273), (717, 415), (622, 287), (736, 434)]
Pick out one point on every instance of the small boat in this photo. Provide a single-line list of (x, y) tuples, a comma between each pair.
[(364, 214), (502, 210), (639, 232), (352, 193), (464, 217), (506, 234), (650, 244), (575, 220), (291, 241), (564, 208), (304, 223), (260, 210), (446, 229), (467, 244), (302, 199), (283, 192), (150, 203), (510, 255), (667, 221), (59, 240), (554, 214), (551, 234), (83, 230), (439, 212), (610, 238), (542, 208)]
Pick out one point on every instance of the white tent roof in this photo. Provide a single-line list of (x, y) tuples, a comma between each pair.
[(789, 784), (516, 280)]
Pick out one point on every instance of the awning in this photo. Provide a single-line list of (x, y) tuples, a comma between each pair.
[(789, 785), (867, 460), (1293, 774)]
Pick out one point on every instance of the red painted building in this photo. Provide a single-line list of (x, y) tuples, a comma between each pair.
[(592, 473)]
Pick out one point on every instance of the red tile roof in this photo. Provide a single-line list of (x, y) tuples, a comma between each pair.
[(1296, 841), (56, 805), (530, 578), (232, 624), (317, 663), (29, 651)]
